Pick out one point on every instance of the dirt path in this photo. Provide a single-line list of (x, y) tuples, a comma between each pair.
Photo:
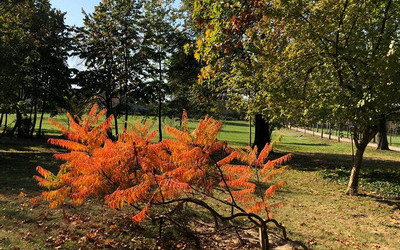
[(371, 144)]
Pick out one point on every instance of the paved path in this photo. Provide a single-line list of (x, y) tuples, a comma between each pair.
[(326, 135)]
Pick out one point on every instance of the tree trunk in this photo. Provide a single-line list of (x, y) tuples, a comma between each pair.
[(352, 187), (1, 119), (5, 124), (126, 85), (312, 127), (34, 118), (382, 135), (126, 110), (322, 130), (159, 118), (18, 121), (250, 131), (263, 235), (159, 99), (262, 134), (330, 130), (39, 133)]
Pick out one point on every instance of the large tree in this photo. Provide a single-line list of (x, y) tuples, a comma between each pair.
[(322, 59), (110, 43), (225, 45), (34, 45), (161, 40), (349, 51)]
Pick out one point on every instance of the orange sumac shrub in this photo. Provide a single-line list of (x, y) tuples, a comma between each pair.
[(133, 170)]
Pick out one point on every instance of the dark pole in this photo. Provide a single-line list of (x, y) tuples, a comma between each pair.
[(250, 131)]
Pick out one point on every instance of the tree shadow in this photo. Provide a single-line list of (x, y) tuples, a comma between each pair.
[(317, 161), (377, 175), (233, 131), (18, 168), (12, 143), (310, 144), (395, 204), (236, 124)]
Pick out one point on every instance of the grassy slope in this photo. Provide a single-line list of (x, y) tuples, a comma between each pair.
[(317, 213)]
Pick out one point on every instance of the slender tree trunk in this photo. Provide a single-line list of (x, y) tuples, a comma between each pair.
[(5, 124), (322, 130), (317, 127), (126, 86), (250, 136), (262, 134), (330, 130), (159, 99), (34, 118), (352, 187), (126, 111), (1, 119), (382, 135), (17, 126), (159, 118), (263, 234), (39, 133)]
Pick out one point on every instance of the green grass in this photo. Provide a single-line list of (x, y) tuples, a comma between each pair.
[(317, 212), (236, 132)]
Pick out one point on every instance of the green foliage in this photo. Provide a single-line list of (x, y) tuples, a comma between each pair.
[(307, 60), (110, 44), (33, 51)]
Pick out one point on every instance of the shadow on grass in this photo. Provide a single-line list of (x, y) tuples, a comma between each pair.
[(18, 168), (13, 143), (239, 124), (310, 144), (394, 203), (233, 131), (378, 177)]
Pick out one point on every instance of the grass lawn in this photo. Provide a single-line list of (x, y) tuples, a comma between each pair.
[(236, 132), (317, 212)]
